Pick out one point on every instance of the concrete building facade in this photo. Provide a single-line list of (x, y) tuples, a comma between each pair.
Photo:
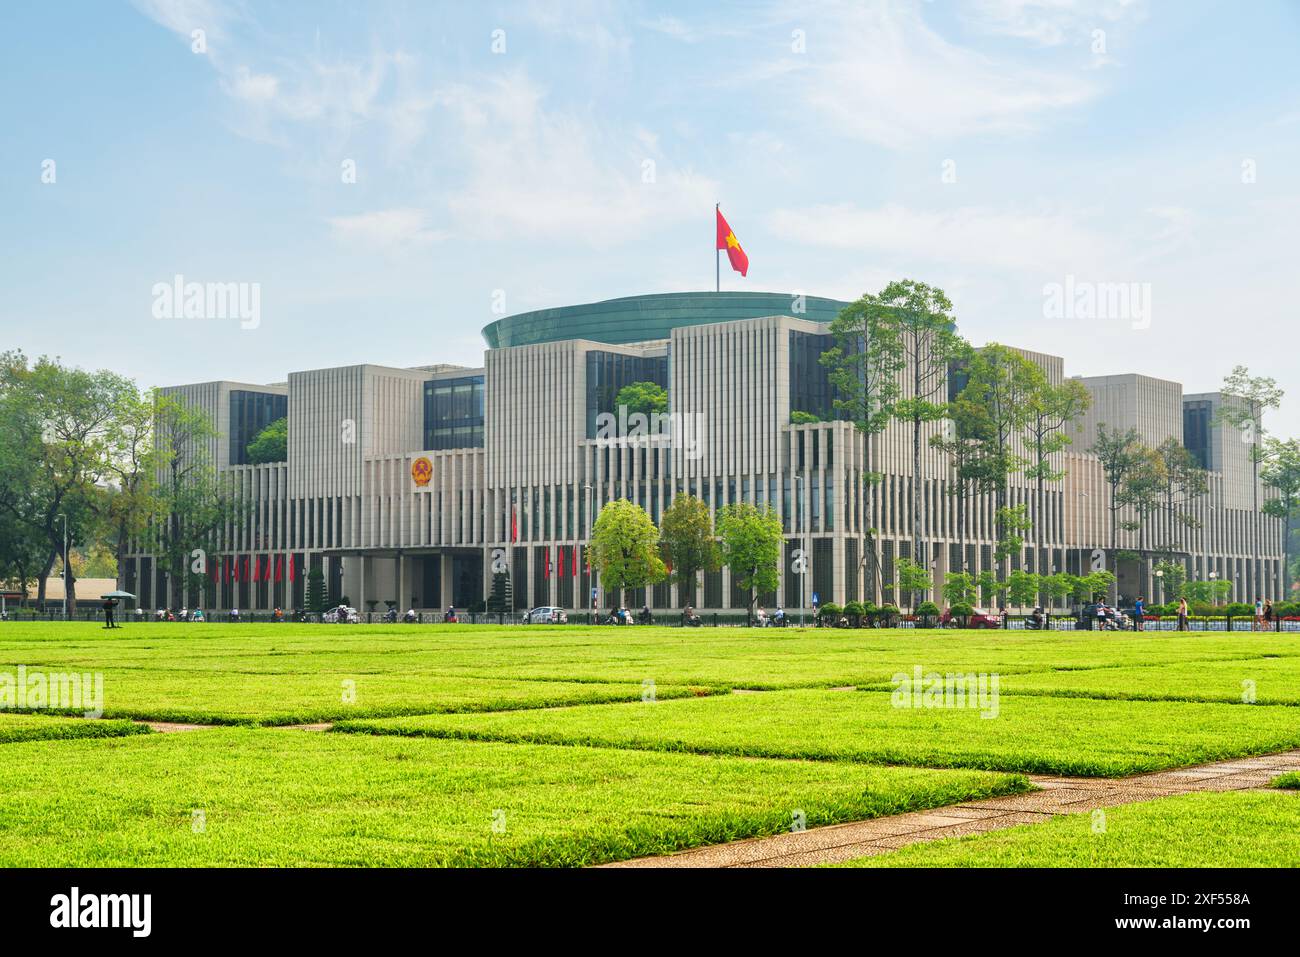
[(413, 486)]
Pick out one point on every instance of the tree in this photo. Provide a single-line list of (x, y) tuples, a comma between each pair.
[(1280, 470), (926, 332), (1184, 482), (799, 417), (960, 588), (647, 398), (132, 464), (315, 597), (625, 547), (1173, 579), (687, 542), (65, 415), (863, 367), (194, 501), (1022, 588), (1058, 586), (1143, 490), (1051, 410), (1253, 394), (912, 579), (993, 409), (1119, 453), (271, 444), (751, 547)]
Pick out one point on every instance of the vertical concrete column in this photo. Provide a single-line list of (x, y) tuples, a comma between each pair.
[(403, 599), (445, 590)]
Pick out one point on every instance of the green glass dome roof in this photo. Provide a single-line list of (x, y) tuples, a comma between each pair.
[(639, 318)]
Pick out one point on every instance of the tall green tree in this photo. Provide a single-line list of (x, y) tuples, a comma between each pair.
[(194, 501), (1253, 396), (993, 408), (625, 547), (1119, 453), (1184, 482), (1051, 411), (1280, 471), (67, 414), (688, 543), (751, 548), (864, 366), (1143, 490), (925, 329)]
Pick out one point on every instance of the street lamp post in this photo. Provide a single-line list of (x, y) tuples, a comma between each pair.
[(803, 570), (591, 523), (65, 565)]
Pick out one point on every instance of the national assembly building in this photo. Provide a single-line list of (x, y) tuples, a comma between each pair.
[(423, 487)]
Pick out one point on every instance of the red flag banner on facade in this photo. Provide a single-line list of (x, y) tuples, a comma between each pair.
[(560, 573), (292, 562), (243, 575), (514, 525), (279, 568), (727, 240), (576, 549)]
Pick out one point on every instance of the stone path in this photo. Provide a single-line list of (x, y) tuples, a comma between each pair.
[(1056, 795), (171, 727)]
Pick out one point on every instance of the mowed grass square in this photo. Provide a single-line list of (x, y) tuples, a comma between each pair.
[(1257, 680), (1034, 734), (1232, 829), (43, 727), (284, 797)]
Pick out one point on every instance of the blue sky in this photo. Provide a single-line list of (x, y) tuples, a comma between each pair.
[(1094, 139)]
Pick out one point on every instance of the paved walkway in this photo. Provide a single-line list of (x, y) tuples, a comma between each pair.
[(1057, 795)]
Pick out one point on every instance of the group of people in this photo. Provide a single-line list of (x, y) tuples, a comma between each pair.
[(775, 620)]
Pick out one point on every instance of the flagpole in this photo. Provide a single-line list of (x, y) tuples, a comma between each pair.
[(717, 257)]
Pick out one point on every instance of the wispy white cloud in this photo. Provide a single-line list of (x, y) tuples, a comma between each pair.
[(549, 173), (1050, 22), (881, 73), (386, 228), (969, 236)]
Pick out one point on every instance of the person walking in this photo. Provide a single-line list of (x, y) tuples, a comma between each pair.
[(1268, 613), (1139, 607), (109, 603), (1182, 614), (1259, 615)]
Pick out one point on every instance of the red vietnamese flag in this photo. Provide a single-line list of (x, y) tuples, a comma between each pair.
[(727, 240), (560, 555)]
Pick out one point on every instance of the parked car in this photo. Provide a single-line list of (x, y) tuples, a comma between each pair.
[(547, 615), (977, 619), (341, 615)]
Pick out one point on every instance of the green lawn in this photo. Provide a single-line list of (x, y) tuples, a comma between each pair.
[(1031, 734), (1232, 829), (41, 727), (283, 797), (1267, 680), (453, 722), (239, 697)]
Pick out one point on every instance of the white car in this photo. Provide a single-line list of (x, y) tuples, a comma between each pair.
[(342, 615), (547, 615)]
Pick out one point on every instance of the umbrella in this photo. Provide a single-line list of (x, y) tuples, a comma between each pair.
[(118, 594)]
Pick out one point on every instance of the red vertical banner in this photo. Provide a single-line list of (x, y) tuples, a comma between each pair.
[(514, 525), (293, 561), (547, 572), (576, 549), (279, 568), (560, 555)]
